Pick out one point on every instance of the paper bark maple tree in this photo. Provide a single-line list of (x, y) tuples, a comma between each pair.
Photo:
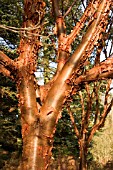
[(39, 120)]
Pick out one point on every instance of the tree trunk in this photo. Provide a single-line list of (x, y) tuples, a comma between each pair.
[(36, 141), (36, 131), (83, 155)]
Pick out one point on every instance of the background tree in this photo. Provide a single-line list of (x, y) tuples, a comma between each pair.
[(39, 120), (10, 129), (89, 116)]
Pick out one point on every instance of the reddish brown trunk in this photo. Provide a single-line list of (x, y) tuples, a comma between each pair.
[(36, 144), (83, 155)]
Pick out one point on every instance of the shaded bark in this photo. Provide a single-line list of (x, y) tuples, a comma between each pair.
[(83, 154)]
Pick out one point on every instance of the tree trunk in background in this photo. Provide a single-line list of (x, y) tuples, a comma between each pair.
[(83, 154)]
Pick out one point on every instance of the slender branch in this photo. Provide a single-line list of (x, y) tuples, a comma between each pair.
[(83, 3), (89, 104), (90, 10), (7, 66), (73, 122), (107, 91), (69, 9), (103, 116), (83, 113), (97, 102), (62, 8), (99, 49), (5, 60), (5, 72), (56, 10), (61, 34), (111, 48), (61, 86)]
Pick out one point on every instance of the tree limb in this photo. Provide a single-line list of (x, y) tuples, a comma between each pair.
[(69, 9), (56, 10), (5, 72), (73, 122), (6, 65), (83, 121), (60, 88), (5, 60), (90, 10), (102, 71), (60, 31), (89, 105)]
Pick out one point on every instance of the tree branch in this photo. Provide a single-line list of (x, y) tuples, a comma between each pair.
[(56, 10), (102, 71), (83, 113), (69, 9), (97, 102), (6, 65), (83, 3), (5, 72), (89, 104), (61, 88), (73, 122), (60, 31), (5, 60), (90, 10)]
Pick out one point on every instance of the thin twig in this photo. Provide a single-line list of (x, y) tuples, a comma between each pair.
[(73, 122), (83, 121), (69, 9), (89, 104), (97, 102)]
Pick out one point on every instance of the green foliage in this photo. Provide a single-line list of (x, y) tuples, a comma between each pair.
[(10, 15), (65, 140), (10, 129)]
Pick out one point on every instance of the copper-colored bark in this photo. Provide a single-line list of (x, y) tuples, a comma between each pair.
[(39, 121)]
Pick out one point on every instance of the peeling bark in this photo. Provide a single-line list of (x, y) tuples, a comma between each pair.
[(39, 121)]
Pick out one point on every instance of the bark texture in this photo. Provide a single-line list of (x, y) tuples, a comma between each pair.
[(39, 120)]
